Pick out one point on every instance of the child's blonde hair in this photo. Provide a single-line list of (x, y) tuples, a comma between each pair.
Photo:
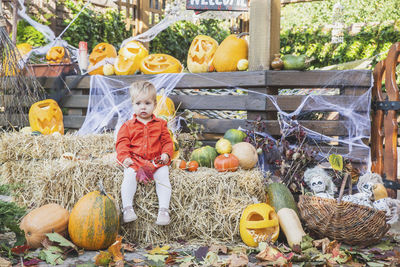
[(143, 88)]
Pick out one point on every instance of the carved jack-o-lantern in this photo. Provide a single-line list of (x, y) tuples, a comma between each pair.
[(57, 54), (46, 117), (129, 58), (259, 222), (160, 63), (100, 52), (201, 53)]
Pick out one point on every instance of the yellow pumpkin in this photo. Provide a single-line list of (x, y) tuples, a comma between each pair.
[(24, 48), (100, 52), (50, 218), (46, 117), (223, 146), (201, 53), (160, 63), (229, 52), (57, 54), (379, 191), (165, 107), (129, 58), (258, 223)]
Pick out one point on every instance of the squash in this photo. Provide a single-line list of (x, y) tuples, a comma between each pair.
[(247, 155), (243, 64), (223, 146), (279, 196), (201, 53), (46, 117), (291, 226), (50, 218), (229, 52), (258, 223), (379, 191), (292, 62), (57, 54), (160, 63), (165, 107), (192, 166), (100, 51), (226, 162), (235, 136), (94, 221), (205, 156)]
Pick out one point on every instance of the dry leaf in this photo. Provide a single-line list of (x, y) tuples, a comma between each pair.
[(103, 258), (322, 244), (115, 250), (185, 264), (334, 245), (163, 250), (4, 262), (128, 247), (236, 260), (119, 264), (217, 248), (137, 260), (268, 254)]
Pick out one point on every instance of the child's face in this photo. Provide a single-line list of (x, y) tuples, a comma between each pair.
[(143, 106)]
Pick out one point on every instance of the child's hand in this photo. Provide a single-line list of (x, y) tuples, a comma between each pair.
[(164, 158), (127, 162)]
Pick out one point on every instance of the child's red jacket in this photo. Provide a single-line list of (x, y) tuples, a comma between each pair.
[(143, 143)]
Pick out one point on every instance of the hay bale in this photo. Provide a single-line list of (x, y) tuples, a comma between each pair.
[(19, 146)]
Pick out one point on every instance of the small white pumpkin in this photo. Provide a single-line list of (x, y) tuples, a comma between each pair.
[(246, 153)]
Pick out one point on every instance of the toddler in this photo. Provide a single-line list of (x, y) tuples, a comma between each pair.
[(144, 147)]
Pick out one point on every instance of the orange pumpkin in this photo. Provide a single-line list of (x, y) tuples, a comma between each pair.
[(201, 53), (57, 54), (179, 163), (46, 117), (229, 52), (101, 51), (160, 63), (94, 221), (192, 166), (226, 162), (165, 107), (50, 218), (129, 58), (24, 48)]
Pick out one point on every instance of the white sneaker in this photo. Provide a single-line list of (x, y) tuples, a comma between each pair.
[(163, 217), (129, 214)]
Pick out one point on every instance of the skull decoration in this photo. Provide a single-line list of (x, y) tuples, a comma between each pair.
[(365, 186), (201, 53), (390, 206), (320, 182), (46, 117)]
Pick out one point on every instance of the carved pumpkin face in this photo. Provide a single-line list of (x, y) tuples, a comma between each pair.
[(229, 52), (259, 222), (46, 117), (129, 58), (100, 52), (57, 54), (201, 53), (160, 63)]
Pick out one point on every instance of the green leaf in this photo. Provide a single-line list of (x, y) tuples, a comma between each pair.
[(156, 258), (56, 237), (306, 242), (385, 245), (336, 162), (52, 255), (375, 264)]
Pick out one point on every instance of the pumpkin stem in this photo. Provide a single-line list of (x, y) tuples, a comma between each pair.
[(240, 35)]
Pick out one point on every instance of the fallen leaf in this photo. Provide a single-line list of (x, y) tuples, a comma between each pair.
[(333, 248), (217, 248), (171, 258), (34, 261), (306, 242), (115, 250), (4, 262), (201, 253), (210, 259), (163, 250), (52, 255), (186, 264), (103, 258), (385, 245), (185, 259), (322, 244), (268, 254), (119, 263), (128, 247), (236, 260), (238, 250), (156, 258), (62, 241), (19, 250), (137, 260), (375, 264)]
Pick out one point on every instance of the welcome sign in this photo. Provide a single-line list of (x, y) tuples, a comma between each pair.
[(217, 5)]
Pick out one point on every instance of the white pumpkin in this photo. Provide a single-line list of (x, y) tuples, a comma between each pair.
[(246, 153)]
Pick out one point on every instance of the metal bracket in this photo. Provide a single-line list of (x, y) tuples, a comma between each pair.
[(385, 105), (391, 184)]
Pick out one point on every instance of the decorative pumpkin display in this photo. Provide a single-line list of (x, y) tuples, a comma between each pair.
[(226, 162), (94, 221), (201, 53), (57, 54), (229, 52), (46, 117), (246, 153), (101, 51), (223, 146), (50, 218), (279, 196), (243, 64), (165, 107), (258, 223), (379, 191), (235, 136), (130, 57), (160, 63), (108, 69), (205, 156), (192, 166), (24, 48)]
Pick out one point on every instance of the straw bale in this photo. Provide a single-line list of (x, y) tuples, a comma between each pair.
[(19, 146), (205, 205)]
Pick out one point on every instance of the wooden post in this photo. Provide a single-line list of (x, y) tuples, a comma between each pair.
[(15, 22), (264, 43)]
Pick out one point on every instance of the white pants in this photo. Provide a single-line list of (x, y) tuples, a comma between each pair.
[(163, 187)]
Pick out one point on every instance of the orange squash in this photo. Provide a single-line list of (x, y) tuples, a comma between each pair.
[(201, 53), (100, 52), (94, 221), (160, 63), (229, 52), (226, 162), (192, 166), (50, 218), (46, 117), (57, 54)]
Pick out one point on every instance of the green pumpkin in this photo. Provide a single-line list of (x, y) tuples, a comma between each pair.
[(279, 196), (205, 156), (235, 136)]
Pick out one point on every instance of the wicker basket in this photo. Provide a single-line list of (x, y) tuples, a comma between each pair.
[(346, 222)]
